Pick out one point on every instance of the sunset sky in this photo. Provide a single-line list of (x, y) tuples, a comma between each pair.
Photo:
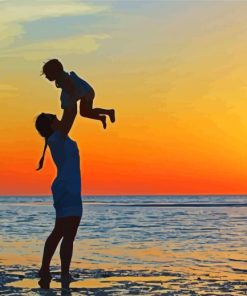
[(175, 71)]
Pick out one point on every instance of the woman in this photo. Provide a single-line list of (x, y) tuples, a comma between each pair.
[(66, 190)]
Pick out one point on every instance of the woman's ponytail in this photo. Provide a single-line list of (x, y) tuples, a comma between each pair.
[(41, 161), (43, 125)]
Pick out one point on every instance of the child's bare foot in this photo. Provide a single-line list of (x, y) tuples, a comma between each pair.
[(103, 120), (112, 115)]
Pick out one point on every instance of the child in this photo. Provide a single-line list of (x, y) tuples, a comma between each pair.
[(73, 89)]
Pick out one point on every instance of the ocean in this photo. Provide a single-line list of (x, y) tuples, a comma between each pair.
[(188, 243)]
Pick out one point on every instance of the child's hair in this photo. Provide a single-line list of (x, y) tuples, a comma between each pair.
[(43, 126), (53, 67)]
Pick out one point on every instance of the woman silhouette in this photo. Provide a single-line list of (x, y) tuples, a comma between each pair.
[(66, 190)]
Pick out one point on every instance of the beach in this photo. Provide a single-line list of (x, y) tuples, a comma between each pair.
[(131, 245)]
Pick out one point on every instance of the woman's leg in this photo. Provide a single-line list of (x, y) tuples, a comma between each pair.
[(70, 226), (51, 245)]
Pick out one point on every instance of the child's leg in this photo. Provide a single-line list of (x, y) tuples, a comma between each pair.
[(87, 110), (109, 112)]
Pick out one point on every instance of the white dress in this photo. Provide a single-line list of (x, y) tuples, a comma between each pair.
[(66, 188)]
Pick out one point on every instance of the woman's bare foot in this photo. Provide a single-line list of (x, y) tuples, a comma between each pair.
[(45, 279), (44, 283), (112, 115), (103, 120), (66, 280)]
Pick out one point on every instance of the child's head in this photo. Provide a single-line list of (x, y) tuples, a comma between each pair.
[(52, 69), (43, 124)]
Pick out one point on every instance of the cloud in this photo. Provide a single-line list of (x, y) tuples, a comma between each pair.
[(81, 44), (15, 13), (26, 10), (8, 34)]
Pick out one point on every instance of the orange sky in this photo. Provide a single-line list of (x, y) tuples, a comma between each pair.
[(174, 71)]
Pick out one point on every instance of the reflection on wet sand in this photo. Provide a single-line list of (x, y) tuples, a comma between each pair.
[(94, 283), (119, 282), (207, 262), (89, 283)]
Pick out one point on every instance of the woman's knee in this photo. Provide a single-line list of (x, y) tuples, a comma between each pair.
[(70, 227), (58, 229), (56, 233), (68, 238), (70, 233)]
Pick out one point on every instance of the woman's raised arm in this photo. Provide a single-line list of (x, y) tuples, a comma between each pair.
[(67, 119)]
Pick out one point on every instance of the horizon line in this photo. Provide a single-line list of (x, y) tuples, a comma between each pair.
[(166, 194)]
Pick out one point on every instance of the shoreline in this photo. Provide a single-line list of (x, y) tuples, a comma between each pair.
[(23, 279)]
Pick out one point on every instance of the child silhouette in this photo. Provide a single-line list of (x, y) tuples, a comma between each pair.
[(75, 88)]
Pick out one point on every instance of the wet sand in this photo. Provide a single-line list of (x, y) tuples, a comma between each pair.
[(23, 280)]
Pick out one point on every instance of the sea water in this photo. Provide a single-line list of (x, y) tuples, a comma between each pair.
[(194, 235)]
